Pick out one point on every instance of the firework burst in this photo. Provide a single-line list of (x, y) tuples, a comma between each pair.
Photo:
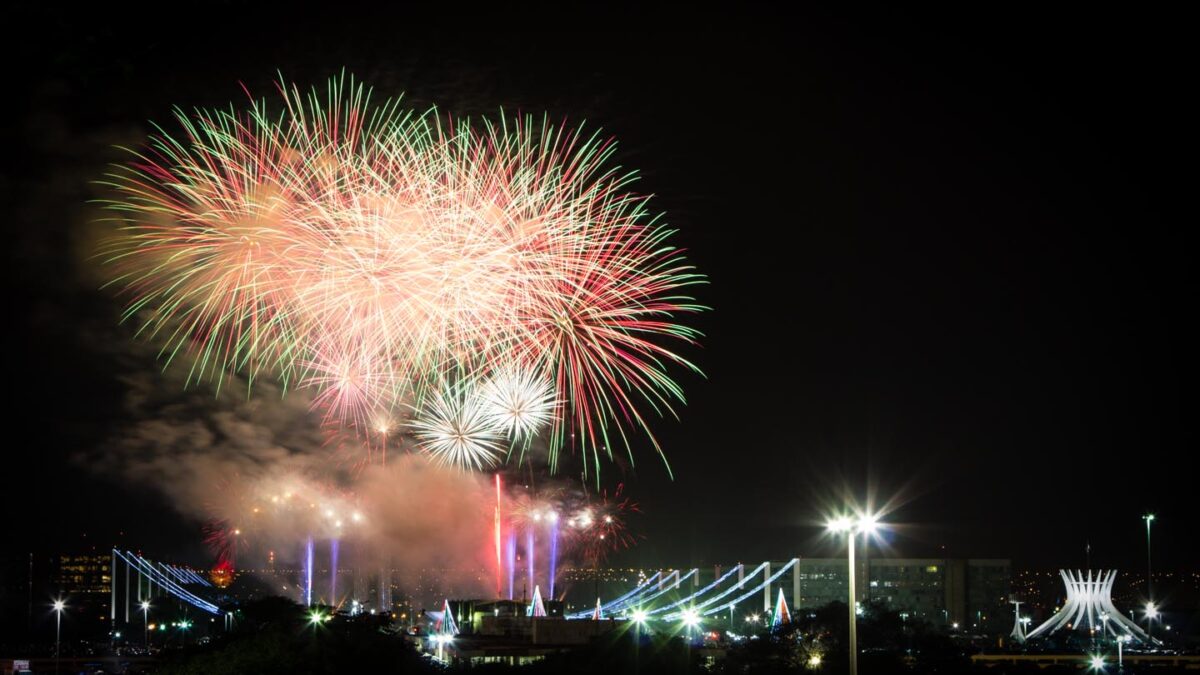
[(454, 429), (518, 402), (372, 254), (600, 527)]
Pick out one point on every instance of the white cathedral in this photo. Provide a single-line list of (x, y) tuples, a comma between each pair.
[(1089, 606)]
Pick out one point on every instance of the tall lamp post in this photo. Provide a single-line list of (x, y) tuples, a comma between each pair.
[(58, 610), (639, 620), (851, 526), (1151, 613), (1149, 518), (146, 623)]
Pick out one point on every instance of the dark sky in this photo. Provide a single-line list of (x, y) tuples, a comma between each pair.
[(949, 255)]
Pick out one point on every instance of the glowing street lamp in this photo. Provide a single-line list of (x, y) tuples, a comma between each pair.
[(1097, 663), (146, 623), (1150, 593), (59, 605), (1149, 518), (1121, 640), (1151, 611), (864, 524), (441, 640), (690, 619)]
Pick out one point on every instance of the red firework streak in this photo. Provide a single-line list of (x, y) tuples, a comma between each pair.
[(499, 558), (222, 540)]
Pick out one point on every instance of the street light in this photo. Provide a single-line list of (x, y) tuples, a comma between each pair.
[(690, 619), (864, 524), (1150, 593), (1149, 518), (58, 610), (441, 640), (639, 619), (146, 623)]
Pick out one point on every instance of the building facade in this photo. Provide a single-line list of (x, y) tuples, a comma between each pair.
[(972, 593)]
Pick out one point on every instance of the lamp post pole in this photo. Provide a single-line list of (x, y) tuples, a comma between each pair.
[(1149, 518), (864, 524), (853, 612), (58, 610), (146, 624)]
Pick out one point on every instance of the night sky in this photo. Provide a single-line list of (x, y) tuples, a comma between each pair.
[(949, 257)]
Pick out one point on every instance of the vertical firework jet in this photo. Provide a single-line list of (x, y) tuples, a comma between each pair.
[(499, 556), (530, 555), (308, 571), (553, 551), (334, 549), (510, 560)]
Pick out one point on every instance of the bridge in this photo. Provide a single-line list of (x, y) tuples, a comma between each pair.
[(144, 580), (666, 595), (658, 596)]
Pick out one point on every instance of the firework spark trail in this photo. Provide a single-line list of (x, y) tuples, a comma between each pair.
[(387, 259)]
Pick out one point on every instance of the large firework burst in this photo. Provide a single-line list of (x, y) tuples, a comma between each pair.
[(374, 254)]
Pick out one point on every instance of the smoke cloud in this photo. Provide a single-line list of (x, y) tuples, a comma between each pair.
[(260, 471)]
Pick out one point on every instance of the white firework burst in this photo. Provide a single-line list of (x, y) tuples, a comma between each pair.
[(518, 403), (452, 427)]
